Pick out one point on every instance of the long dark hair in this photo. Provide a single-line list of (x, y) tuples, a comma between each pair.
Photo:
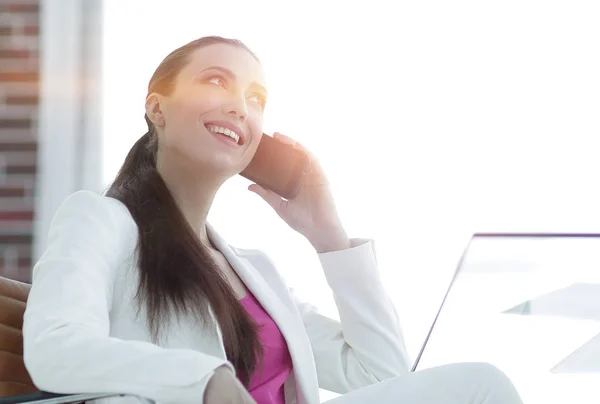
[(177, 273)]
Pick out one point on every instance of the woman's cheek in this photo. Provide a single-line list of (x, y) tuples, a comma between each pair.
[(206, 101), (255, 119), (256, 131)]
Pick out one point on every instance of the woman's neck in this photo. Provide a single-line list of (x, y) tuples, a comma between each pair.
[(193, 193)]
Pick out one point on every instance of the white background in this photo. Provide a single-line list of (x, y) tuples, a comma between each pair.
[(432, 120)]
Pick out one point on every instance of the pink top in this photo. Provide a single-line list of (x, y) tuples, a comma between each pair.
[(266, 387)]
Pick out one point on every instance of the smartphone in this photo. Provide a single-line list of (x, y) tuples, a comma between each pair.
[(278, 167)]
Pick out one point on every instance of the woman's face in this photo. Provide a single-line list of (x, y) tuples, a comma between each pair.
[(212, 120)]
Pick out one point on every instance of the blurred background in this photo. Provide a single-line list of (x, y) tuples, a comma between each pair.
[(433, 120)]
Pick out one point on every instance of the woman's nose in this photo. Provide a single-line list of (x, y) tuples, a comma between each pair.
[(236, 106)]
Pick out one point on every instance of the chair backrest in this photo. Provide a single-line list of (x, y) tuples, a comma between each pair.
[(14, 379)]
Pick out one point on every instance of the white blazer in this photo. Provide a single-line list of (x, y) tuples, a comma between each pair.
[(82, 332)]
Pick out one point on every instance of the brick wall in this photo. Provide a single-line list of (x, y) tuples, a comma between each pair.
[(19, 97)]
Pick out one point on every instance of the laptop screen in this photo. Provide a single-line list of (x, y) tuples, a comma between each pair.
[(530, 305)]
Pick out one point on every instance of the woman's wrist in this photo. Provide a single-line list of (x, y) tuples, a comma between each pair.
[(330, 239)]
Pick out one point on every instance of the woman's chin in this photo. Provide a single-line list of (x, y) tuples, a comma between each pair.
[(221, 165)]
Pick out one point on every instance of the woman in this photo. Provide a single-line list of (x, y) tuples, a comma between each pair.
[(137, 294)]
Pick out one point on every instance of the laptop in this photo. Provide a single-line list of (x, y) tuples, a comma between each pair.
[(547, 307)]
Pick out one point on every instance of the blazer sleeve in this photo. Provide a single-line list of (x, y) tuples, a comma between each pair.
[(67, 347), (366, 345)]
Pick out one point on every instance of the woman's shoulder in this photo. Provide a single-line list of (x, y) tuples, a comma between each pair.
[(90, 234), (88, 206), (102, 204)]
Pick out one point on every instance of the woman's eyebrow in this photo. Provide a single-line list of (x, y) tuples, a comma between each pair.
[(223, 70), (233, 76)]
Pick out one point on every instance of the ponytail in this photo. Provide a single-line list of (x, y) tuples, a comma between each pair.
[(177, 275)]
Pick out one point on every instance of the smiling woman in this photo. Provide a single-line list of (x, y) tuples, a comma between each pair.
[(186, 97), (137, 294)]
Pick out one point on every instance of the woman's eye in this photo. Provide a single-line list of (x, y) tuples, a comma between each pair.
[(218, 81), (259, 99)]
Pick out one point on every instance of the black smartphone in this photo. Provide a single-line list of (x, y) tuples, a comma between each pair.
[(278, 167)]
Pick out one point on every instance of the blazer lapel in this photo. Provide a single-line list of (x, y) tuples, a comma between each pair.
[(281, 314), (259, 287)]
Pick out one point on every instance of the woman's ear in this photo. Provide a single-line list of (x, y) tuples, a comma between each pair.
[(153, 110)]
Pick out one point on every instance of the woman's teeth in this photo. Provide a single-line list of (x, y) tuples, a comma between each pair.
[(224, 131)]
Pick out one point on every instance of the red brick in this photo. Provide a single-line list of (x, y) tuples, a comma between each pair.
[(17, 216), (20, 169), (22, 100), (31, 30), (11, 123), (19, 76), (15, 53), (16, 239), (9, 146), (17, 7), (12, 192), (24, 261)]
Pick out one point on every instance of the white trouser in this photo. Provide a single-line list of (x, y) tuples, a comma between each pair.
[(462, 383)]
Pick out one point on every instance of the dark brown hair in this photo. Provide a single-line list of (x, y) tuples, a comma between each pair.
[(177, 273)]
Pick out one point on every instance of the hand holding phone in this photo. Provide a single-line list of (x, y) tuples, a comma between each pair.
[(290, 171), (278, 167)]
